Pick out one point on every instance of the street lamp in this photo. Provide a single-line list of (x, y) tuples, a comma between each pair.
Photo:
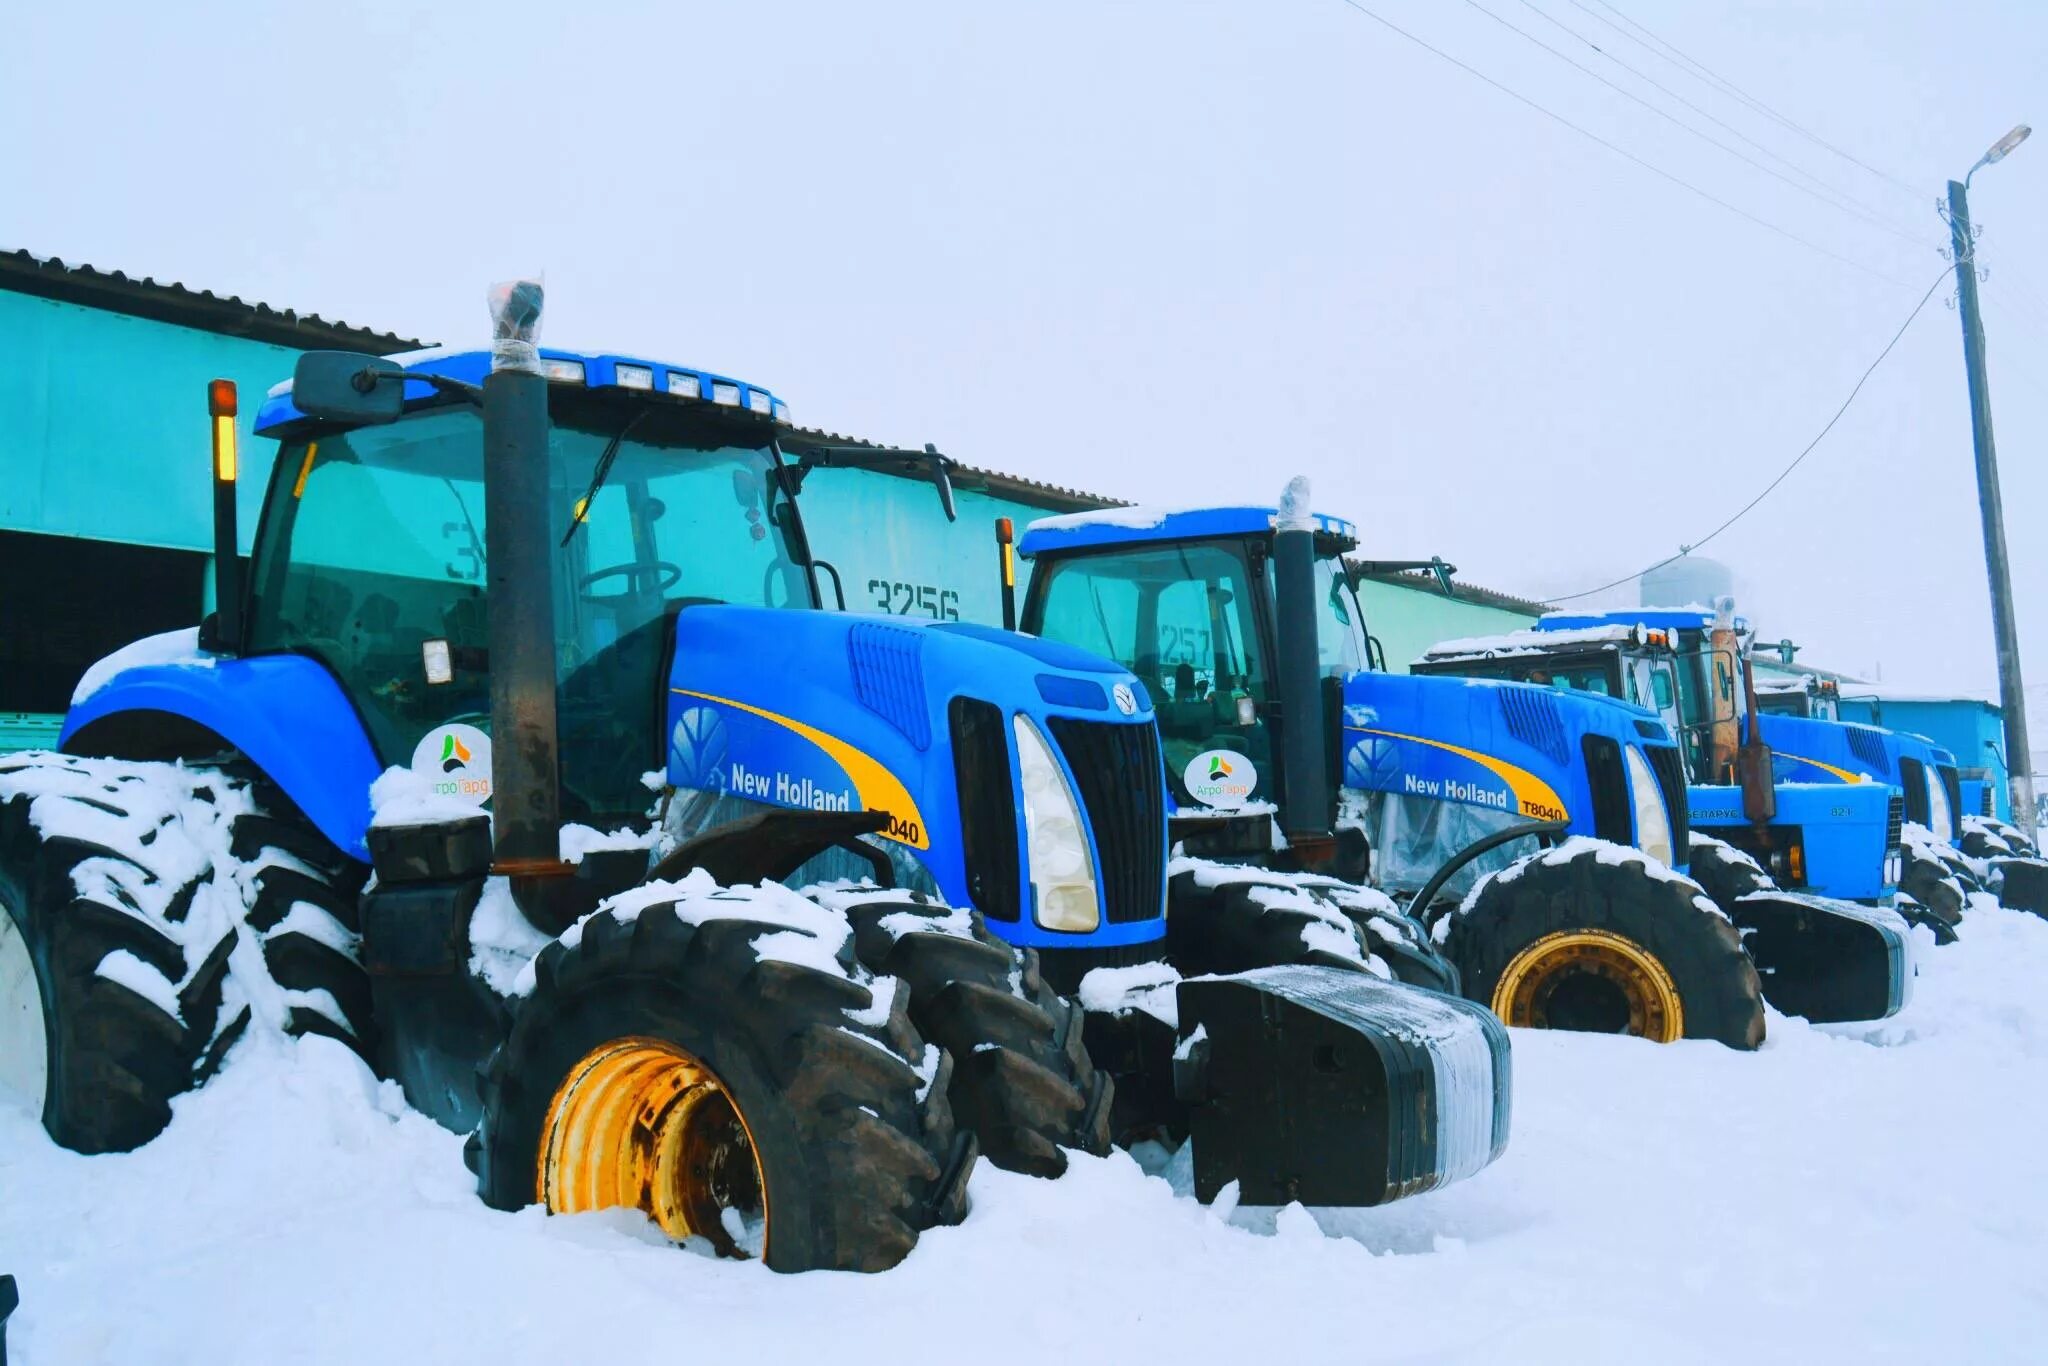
[(2012, 693)]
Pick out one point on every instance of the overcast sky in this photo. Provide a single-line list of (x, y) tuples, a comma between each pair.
[(1171, 251)]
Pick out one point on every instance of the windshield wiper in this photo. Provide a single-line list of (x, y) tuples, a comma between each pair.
[(602, 472)]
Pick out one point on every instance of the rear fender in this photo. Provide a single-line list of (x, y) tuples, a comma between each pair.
[(284, 713)]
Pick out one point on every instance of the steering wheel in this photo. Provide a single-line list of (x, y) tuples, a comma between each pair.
[(661, 573)]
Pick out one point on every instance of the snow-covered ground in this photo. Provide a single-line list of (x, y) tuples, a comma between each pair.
[(1846, 1195)]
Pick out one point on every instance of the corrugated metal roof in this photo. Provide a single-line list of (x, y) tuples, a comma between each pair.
[(975, 479), (1462, 591), (202, 309)]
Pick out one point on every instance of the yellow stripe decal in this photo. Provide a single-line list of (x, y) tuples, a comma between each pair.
[(1536, 797), (875, 787), (1841, 775)]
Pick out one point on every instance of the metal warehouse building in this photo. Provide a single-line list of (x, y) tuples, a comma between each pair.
[(105, 509)]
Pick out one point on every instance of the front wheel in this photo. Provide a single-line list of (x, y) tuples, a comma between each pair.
[(767, 1107), (1592, 937)]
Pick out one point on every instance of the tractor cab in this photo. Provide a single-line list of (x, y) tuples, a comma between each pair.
[(1417, 776), (1187, 604), (664, 489)]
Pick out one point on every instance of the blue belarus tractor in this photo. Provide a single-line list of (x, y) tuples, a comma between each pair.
[(764, 932), (1239, 630)]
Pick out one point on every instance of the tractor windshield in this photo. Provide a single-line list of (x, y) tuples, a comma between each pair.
[(372, 544), (1183, 619)]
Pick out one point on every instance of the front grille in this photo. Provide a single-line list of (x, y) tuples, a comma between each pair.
[(1123, 789), (1894, 821), (1988, 799), (988, 813), (1670, 771), (1609, 784), (1913, 778)]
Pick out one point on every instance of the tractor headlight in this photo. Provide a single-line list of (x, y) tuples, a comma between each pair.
[(1894, 868), (1055, 841), (1938, 818), (1653, 822)]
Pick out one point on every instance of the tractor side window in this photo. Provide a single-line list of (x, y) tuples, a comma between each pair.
[(1340, 627)]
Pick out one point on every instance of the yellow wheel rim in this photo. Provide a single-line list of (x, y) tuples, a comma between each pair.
[(1591, 980), (642, 1123)]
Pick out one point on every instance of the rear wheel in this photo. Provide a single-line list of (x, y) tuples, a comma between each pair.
[(770, 1107), (1572, 940)]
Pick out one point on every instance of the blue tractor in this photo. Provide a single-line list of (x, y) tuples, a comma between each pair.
[(1949, 853), (1285, 752), (762, 931)]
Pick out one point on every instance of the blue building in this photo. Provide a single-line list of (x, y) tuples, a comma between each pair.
[(106, 516)]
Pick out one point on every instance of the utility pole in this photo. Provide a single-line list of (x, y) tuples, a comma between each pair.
[(2012, 693)]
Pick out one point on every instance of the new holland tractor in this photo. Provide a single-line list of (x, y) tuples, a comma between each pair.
[(759, 931), (1420, 785)]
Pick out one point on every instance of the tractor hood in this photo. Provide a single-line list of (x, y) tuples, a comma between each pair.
[(1512, 747), (837, 712)]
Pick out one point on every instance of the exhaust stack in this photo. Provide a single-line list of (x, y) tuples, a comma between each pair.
[(1305, 816), (525, 743)]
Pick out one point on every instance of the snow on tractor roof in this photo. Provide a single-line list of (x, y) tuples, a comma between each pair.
[(1528, 642), (1137, 525), (591, 369)]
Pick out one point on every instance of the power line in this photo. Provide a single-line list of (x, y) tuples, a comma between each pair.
[(1730, 88), (1652, 168), (1784, 473), (1830, 200), (1705, 113)]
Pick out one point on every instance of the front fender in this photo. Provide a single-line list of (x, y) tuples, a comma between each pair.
[(285, 713)]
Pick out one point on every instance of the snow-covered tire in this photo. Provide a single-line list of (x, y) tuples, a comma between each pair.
[(1225, 919), (1583, 938), (2023, 885), (1388, 933), (106, 971), (857, 1150), (1913, 913), (1931, 883), (1022, 1077), (307, 920), (1725, 873)]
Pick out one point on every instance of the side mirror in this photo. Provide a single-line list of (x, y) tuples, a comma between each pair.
[(348, 386), (942, 480)]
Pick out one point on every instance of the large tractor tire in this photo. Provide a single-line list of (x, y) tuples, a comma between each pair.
[(305, 915), (1022, 1078), (110, 980), (1932, 884), (1389, 933), (1224, 919), (2023, 885), (1592, 938), (765, 1106)]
